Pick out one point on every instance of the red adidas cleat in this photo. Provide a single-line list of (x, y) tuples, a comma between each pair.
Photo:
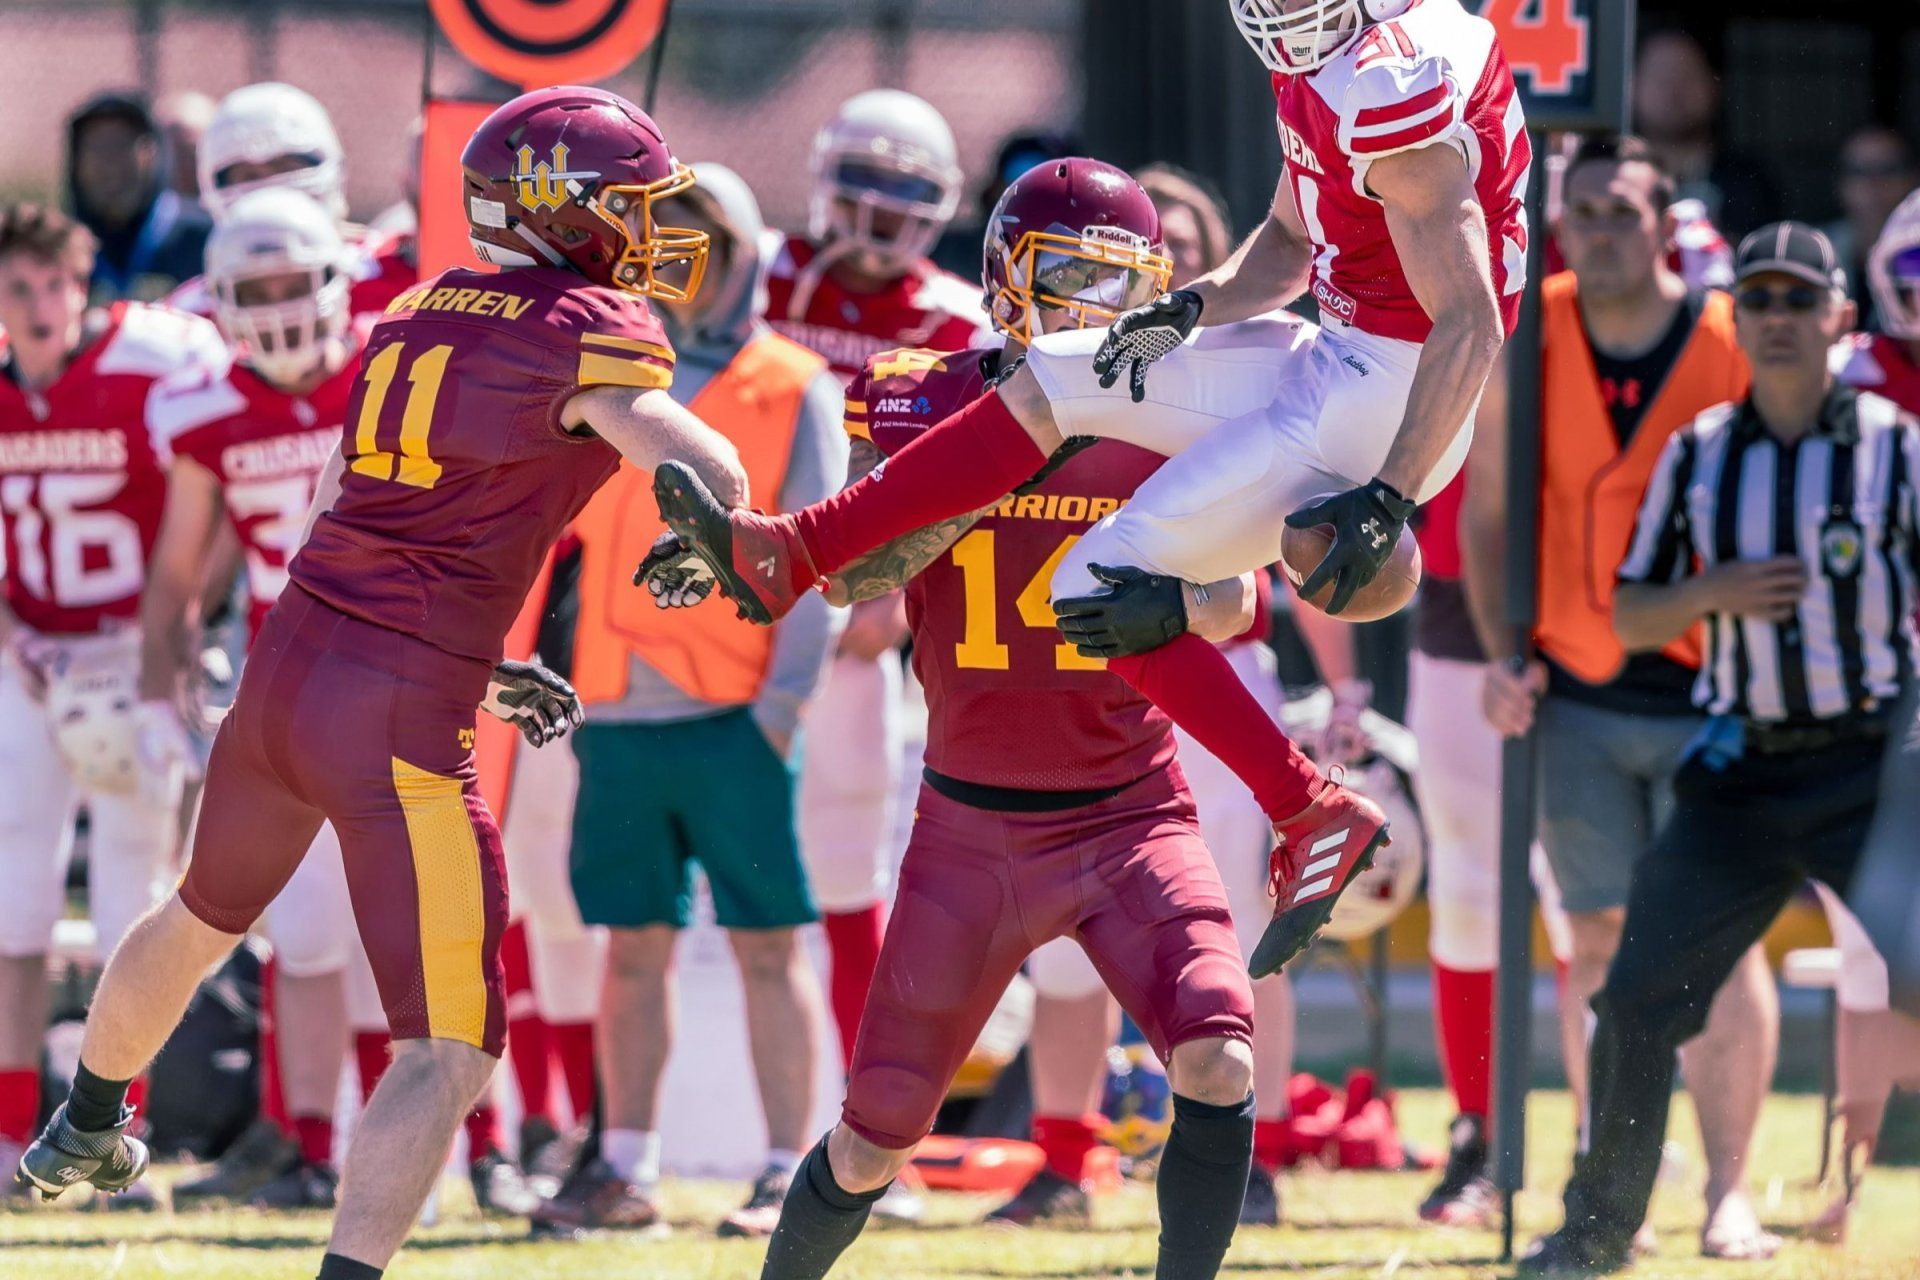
[(1320, 850), (757, 559)]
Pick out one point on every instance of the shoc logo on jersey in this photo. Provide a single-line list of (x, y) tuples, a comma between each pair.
[(1332, 301), (1297, 150), (545, 185)]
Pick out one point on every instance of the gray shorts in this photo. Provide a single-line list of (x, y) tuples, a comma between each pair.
[(1606, 786)]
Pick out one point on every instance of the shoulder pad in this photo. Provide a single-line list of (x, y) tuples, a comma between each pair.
[(155, 342), (1397, 102)]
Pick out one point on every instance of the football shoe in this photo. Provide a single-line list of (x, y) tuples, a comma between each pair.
[(63, 1157), (759, 561), (1048, 1200), (1316, 855)]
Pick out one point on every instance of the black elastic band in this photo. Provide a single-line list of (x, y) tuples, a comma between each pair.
[(1014, 800)]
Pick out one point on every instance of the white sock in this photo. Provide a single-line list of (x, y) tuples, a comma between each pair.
[(634, 1154), (783, 1160)]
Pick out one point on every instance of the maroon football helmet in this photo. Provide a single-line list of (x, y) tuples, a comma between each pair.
[(568, 177), (1072, 235)]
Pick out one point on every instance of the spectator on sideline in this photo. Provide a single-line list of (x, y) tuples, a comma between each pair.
[(1779, 519), (687, 752), (1630, 356), (1193, 219), (181, 119), (1878, 169), (151, 237), (1676, 108)]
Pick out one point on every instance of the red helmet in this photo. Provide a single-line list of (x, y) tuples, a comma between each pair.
[(568, 177), (1072, 235)]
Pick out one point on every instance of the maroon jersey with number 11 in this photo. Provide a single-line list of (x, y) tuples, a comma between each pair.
[(1009, 703), (459, 475)]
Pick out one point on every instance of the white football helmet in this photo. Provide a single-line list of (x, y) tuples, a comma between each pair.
[(274, 232), (1893, 271), (884, 151), (1292, 36), (261, 123), (1378, 895), (92, 693)]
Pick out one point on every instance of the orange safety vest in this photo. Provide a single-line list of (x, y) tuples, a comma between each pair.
[(1590, 490), (707, 652)]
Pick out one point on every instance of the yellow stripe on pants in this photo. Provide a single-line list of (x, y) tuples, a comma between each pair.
[(452, 916)]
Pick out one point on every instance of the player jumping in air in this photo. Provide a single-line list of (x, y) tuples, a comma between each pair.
[(1053, 805), (489, 408), (1401, 202)]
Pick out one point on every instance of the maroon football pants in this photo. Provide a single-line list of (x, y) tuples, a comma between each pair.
[(1128, 877), (373, 731)]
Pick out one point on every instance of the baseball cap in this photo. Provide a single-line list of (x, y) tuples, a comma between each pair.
[(1791, 248)]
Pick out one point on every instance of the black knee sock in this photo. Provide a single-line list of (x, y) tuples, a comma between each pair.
[(95, 1104), (337, 1267), (817, 1222), (1202, 1180)]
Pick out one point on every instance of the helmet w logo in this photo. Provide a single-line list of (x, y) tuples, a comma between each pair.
[(545, 185)]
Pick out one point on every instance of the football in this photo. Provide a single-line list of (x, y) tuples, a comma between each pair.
[(1302, 550)]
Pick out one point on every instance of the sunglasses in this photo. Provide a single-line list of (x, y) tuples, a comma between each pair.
[(1800, 299)]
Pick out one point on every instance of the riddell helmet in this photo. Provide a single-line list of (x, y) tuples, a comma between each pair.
[(1893, 270), (884, 151), (1292, 36), (279, 232), (261, 123), (568, 177), (1072, 235)]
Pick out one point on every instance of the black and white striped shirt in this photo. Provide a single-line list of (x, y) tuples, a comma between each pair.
[(1843, 499)]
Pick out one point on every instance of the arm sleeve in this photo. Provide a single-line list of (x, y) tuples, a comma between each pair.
[(803, 642), (1396, 105), (1661, 548)]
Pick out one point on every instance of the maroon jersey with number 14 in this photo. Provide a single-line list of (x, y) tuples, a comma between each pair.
[(1009, 703), (459, 475)]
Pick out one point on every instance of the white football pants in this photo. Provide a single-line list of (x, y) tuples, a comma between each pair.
[(1258, 419), (850, 766), (130, 844)]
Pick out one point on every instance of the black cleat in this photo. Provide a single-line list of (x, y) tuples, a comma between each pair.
[(1464, 1196), (499, 1188), (305, 1186), (63, 1157), (761, 1213), (1048, 1200), (260, 1155), (1571, 1253), (1260, 1203)]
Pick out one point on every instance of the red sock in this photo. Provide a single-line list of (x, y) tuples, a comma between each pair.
[(315, 1134), (1067, 1141), (853, 945), (371, 1053), (1197, 687), (1272, 1141), (19, 1103), (529, 1046), (273, 1094), (962, 463), (137, 1093), (573, 1044), (483, 1131), (1463, 1025)]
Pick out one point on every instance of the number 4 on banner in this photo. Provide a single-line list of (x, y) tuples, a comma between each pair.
[(1545, 40)]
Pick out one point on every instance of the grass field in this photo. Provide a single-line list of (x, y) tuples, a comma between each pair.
[(1338, 1225)]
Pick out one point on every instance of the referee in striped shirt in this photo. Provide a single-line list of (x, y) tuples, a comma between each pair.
[(1787, 522)]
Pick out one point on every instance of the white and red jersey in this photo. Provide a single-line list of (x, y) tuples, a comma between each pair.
[(927, 307), (267, 449), (83, 472), (380, 266), (1880, 364), (1433, 76)]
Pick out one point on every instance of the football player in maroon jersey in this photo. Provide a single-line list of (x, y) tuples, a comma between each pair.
[(82, 480), (1052, 804), (488, 410), (1400, 208)]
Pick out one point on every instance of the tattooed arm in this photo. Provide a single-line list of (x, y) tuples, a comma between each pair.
[(891, 565)]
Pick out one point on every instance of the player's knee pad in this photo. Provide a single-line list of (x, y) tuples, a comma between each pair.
[(1060, 970)]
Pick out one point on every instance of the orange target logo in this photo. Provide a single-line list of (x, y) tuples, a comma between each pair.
[(535, 43)]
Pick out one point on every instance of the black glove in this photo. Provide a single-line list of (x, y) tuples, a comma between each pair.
[(1142, 612), (1143, 335), (676, 578), (1367, 523), (542, 706)]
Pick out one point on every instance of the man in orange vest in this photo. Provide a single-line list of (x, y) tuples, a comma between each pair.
[(687, 752), (1630, 355)]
